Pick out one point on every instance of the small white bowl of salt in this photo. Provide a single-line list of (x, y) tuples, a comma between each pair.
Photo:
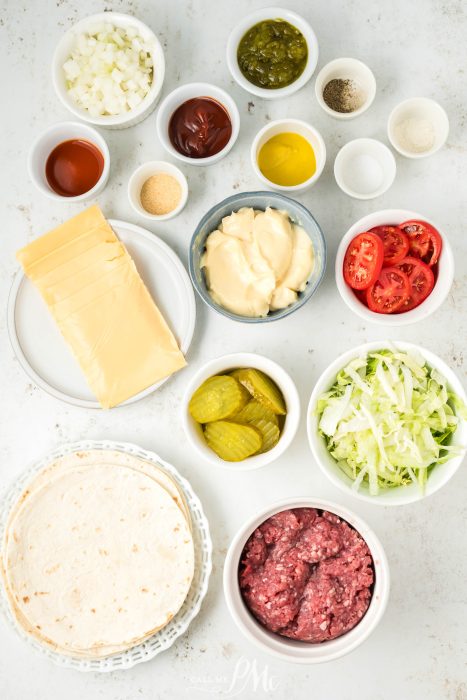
[(418, 127), (365, 168)]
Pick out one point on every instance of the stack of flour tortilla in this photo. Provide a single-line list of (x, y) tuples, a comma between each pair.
[(97, 553)]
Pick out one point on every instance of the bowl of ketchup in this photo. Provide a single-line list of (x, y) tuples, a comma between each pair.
[(70, 162), (198, 123)]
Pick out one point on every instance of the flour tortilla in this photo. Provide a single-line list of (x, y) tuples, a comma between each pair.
[(68, 462), (89, 457), (97, 558)]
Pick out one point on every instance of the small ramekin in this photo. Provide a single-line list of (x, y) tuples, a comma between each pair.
[(290, 649), (52, 137), (63, 51), (297, 126), (420, 108), (346, 69), (249, 21), (222, 365), (187, 92), (399, 495), (372, 148), (140, 176), (431, 304)]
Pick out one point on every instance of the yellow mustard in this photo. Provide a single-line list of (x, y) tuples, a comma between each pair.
[(287, 159)]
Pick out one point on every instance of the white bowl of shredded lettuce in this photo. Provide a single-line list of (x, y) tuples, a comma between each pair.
[(387, 421)]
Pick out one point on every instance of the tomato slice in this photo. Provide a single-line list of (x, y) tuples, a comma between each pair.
[(390, 291), (425, 241), (363, 260), (395, 243), (422, 281)]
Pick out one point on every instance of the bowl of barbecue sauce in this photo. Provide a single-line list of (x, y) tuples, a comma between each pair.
[(69, 161), (198, 123)]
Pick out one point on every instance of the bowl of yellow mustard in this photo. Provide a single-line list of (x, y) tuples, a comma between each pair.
[(288, 155), (257, 257)]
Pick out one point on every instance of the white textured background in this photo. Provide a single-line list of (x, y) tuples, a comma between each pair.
[(419, 651)]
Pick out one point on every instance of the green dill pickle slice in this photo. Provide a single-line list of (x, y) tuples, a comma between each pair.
[(232, 441), (253, 412), (218, 397), (270, 434), (262, 388)]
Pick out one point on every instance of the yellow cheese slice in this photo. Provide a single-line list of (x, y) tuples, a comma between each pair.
[(102, 307)]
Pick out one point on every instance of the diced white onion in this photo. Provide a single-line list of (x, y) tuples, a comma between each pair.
[(110, 70)]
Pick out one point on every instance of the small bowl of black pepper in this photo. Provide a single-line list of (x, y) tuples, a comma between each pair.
[(345, 88)]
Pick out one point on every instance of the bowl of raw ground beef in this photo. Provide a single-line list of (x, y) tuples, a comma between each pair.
[(306, 580)]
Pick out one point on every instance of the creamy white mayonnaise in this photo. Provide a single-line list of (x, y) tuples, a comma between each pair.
[(257, 261)]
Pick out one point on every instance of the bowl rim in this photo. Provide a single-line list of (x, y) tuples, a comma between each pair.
[(248, 21), (288, 188), (94, 136), (274, 644), (406, 495), (286, 384), (391, 125), (427, 307), (204, 294), (383, 187), (120, 19), (319, 84), (158, 166), (220, 95)]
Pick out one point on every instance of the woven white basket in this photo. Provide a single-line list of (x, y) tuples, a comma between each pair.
[(203, 563)]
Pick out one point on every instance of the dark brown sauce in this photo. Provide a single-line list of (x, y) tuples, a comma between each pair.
[(74, 167), (200, 128)]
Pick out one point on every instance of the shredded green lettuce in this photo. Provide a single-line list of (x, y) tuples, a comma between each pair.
[(388, 420)]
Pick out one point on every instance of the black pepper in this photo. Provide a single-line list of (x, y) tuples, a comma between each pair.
[(342, 95)]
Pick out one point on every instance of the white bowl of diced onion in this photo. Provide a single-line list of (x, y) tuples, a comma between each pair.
[(108, 70)]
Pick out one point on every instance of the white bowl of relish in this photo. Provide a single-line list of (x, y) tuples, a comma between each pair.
[(248, 24)]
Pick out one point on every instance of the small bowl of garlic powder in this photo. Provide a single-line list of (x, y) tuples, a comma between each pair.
[(158, 190), (418, 127)]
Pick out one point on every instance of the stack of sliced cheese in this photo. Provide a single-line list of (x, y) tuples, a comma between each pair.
[(97, 553), (102, 307)]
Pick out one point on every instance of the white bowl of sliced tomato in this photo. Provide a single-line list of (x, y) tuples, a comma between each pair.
[(394, 267)]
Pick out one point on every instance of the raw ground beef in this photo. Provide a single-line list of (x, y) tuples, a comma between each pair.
[(306, 574)]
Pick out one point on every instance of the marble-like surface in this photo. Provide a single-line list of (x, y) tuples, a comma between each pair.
[(419, 651)]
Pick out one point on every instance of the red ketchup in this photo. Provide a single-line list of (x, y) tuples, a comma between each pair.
[(74, 167), (200, 128)]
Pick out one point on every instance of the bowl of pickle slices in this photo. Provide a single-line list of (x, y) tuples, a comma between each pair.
[(241, 411)]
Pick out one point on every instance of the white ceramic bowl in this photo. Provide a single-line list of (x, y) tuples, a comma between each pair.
[(52, 137), (187, 92), (424, 109), (432, 302), (140, 176), (289, 649), (62, 53), (402, 494), (346, 69), (364, 168), (297, 126), (249, 21), (221, 365)]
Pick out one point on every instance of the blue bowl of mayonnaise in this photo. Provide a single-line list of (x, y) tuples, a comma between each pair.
[(257, 257)]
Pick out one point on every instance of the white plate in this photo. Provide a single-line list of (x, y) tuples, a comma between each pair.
[(203, 563), (42, 351)]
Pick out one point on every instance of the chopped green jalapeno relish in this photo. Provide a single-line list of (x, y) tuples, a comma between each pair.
[(272, 54)]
